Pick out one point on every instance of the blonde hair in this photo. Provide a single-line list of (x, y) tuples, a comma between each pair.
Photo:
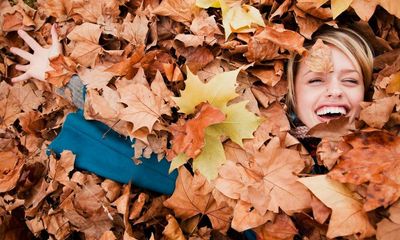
[(346, 40)]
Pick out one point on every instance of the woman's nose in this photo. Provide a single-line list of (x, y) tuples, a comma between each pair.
[(334, 90)]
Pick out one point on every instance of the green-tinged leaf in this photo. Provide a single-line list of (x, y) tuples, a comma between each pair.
[(178, 161), (212, 155), (218, 91), (239, 123)]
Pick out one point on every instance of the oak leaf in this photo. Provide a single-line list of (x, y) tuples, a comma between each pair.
[(348, 216), (187, 201)]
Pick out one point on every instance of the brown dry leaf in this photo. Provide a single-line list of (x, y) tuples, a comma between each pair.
[(348, 216), (319, 58), (196, 57), (160, 89), (320, 211), (29, 99), (189, 138), (135, 29), (373, 160), (280, 187), (61, 10), (284, 38), (179, 10), (269, 183), (205, 25), (187, 201), (32, 122), (112, 189), (108, 235), (307, 23), (97, 11), (95, 78), (57, 225), (387, 230), (364, 8), (86, 49), (333, 129), (394, 83), (394, 212), (64, 69), (281, 227), (62, 167), (125, 67), (156, 209), (9, 111), (261, 48), (245, 217), (328, 152), (376, 114), (172, 231), (10, 169), (138, 205), (144, 107)]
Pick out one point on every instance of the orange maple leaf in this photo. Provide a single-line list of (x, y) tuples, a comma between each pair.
[(189, 137)]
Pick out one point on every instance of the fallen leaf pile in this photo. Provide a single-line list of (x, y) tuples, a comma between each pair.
[(201, 83)]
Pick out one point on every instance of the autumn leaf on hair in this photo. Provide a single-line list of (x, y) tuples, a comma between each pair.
[(319, 58), (235, 122), (348, 216)]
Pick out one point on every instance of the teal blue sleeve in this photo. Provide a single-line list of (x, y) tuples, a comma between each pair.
[(110, 156)]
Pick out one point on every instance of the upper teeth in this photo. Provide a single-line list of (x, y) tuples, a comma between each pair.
[(332, 110)]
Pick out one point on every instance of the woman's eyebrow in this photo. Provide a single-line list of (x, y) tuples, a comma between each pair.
[(350, 70)]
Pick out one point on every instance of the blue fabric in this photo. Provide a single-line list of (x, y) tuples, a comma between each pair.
[(110, 157)]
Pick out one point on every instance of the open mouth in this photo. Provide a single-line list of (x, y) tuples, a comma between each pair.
[(328, 113)]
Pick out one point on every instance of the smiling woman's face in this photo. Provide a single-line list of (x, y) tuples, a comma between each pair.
[(321, 97)]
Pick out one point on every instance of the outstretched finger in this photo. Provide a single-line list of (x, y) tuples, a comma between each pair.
[(22, 53), (21, 67), (21, 77), (54, 35), (29, 40)]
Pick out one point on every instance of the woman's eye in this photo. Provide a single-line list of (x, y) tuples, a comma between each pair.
[(351, 81), (317, 80)]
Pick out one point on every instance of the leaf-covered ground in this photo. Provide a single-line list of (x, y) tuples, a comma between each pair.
[(138, 60)]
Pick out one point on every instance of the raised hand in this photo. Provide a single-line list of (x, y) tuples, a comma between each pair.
[(39, 62)]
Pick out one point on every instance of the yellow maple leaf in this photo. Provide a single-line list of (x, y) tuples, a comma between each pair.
[(347, 216), (217, 92), (238, 124)]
